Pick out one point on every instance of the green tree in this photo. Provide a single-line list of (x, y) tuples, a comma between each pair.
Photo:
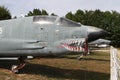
[(4, 13), (37, 12), (34, 12), (30, 13), (52, 14), (44, 12), (80, 16), (71, 16)]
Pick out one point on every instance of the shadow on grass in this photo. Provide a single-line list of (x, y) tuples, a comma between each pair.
[(75, 58), (93, 59), (55, 72)]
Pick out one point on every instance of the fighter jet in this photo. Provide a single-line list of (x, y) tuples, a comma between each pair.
[(100, 43), (43, 35)]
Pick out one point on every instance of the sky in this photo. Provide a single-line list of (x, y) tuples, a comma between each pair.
[(59, 7)]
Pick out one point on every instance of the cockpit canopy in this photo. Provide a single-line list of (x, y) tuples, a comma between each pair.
[(44, 20)]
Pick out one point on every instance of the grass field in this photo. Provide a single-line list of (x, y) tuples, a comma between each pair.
[(95, 66)]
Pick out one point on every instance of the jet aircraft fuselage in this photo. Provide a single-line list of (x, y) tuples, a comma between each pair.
[(41, 35)]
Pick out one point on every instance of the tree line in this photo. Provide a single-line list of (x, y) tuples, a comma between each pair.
[(107, 20)]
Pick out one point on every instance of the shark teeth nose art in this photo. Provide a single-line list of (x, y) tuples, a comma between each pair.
[(74, 45)]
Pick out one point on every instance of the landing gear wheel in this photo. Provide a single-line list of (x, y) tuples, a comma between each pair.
[(13, 69), (16, 68)]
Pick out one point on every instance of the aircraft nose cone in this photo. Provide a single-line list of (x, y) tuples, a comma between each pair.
[(93, 35), (104, 33)]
